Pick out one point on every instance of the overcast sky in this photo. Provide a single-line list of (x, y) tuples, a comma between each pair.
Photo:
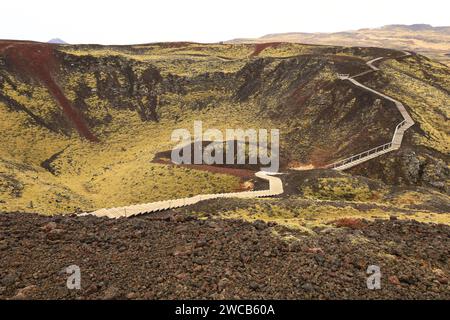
[(143, 21)]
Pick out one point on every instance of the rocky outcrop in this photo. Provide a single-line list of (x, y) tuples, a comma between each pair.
[(409, 167), (424, 170)]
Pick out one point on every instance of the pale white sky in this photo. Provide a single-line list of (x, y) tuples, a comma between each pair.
[(143, 21)]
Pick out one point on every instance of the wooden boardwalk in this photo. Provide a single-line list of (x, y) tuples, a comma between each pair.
[(275, 183), (275, 188), (397, 138)]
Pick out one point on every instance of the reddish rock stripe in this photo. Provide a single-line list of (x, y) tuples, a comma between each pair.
[(38, 61)]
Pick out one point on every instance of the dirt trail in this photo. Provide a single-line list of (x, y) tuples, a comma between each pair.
[(38, 61)]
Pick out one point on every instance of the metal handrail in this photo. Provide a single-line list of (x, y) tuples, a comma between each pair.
[(360, 155), (407, 119), (368, 152), (401, 124)]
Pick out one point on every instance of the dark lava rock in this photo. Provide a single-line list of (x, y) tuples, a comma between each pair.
[(253, 285), (192, 260), (308, 287), (49, 226), (260, 225), (111, 293), (9, 279), (55, 234)]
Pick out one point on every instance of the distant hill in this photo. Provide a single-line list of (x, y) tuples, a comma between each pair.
[(433, 42), (57, 41)]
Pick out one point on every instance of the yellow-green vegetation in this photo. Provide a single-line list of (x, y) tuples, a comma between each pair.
[(37, 99), (115, 90), (429, 106), (156, 51), (284, 50), (187, 60), (197, 66), (118, 170), (192, 59), (322, 214), (24, 142), (342, 188), (407, 199), (115, 172)]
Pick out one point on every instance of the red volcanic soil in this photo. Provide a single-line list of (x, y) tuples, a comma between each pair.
[(349, 223), (38, 61), (259, 47), (240, 173), (243, 174)]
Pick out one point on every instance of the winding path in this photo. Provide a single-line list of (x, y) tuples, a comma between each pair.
[(397, 138), (275, 183), (275, 188)]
